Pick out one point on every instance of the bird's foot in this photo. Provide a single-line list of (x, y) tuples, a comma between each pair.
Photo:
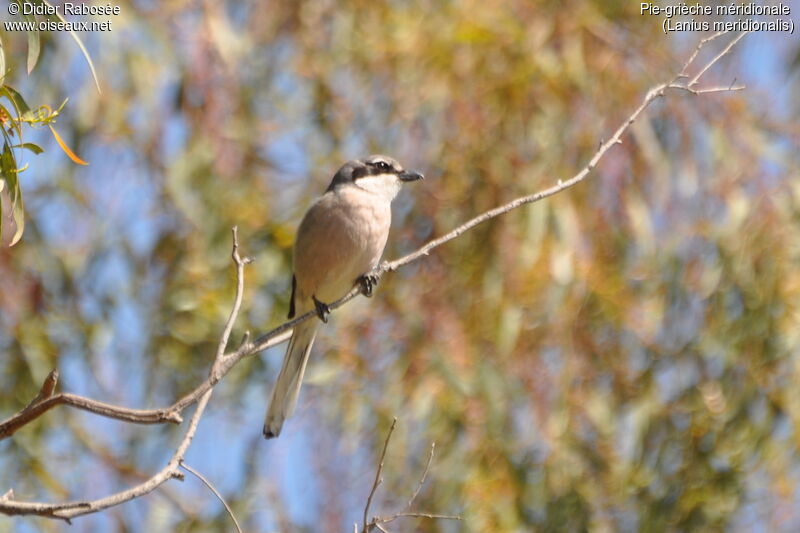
[(368, 282), (322, 309)]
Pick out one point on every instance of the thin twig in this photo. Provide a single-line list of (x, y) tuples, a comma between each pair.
[(378, 478), (707, 90), (378, 522), (245, 338), (383, 529), (417, 514), (240, 262), (422, 479), (47, 389), (696, 51), (719, 56), (208, 484)]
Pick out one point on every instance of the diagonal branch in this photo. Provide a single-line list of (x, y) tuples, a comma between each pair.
[(208, 484), (378, 478), (716, 58), (696, 51), (421, 479)]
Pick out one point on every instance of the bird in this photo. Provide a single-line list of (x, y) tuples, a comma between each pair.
[(340, 240)]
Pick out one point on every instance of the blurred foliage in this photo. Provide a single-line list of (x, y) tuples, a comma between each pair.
[(620, 357)]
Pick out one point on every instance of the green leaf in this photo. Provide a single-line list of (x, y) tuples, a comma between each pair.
[(33, 43), (19, 102), (35, 148), (14, 123), (8, 165), (80, 45), (18, 212), (2, 64)]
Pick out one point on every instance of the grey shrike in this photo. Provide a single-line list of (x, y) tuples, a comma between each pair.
[(340, 240)]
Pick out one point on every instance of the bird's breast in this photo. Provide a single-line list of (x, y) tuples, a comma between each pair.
[(341, 237)]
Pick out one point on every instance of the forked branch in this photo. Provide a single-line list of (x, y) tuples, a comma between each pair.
[(378, 522)]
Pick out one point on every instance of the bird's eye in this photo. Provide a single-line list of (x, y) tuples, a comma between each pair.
[(383, 165)]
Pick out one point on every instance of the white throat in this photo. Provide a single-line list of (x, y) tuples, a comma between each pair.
[(386, 186)]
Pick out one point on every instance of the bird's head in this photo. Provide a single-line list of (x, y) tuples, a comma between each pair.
[(378, 174)]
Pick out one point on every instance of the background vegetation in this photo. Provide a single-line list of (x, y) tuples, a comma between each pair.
[(621, 357)]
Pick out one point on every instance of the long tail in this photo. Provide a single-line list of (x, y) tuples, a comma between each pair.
[(287, 388)]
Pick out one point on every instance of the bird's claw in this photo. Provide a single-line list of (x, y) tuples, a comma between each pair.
[(368, 282), (322, 309)]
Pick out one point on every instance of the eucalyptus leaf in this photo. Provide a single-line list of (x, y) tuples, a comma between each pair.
[(84, 51), (2, 62), (8, 165), (33, 43), (35, 148), (19, 102)]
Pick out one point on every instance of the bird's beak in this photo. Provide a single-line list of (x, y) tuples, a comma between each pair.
[(410, 176)]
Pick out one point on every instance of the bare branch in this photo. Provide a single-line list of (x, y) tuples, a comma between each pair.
[(172, 469), (422, 479), (716, 58), (36, 409), (420, 515), (378, 478), (378, 522), (380, 527), (696, 51), (240, 262), (707, 90), (208, 484)]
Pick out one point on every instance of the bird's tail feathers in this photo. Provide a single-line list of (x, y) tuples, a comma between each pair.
[(287, 387)]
